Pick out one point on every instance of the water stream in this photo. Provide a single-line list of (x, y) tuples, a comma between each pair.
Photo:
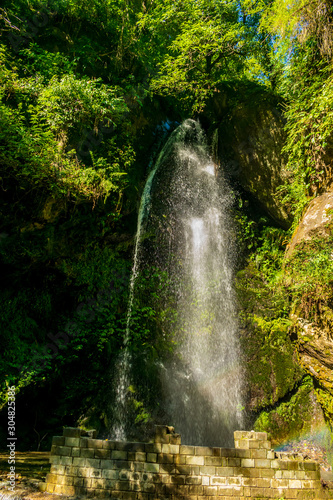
[(187, 205)]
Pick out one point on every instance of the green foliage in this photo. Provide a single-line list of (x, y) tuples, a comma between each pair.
[(289, 419), (308, 275)]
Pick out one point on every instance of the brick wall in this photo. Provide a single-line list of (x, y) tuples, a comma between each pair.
[(166, 469)]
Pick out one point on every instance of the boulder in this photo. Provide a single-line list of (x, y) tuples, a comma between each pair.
[(315, 222), (248, 146)]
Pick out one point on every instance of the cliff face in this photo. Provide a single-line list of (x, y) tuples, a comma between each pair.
[(286, 321), (249, 143), (308, 274)]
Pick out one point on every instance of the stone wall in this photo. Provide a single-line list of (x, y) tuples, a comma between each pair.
[(166, 469)]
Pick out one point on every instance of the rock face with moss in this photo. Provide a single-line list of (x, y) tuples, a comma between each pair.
[(250, 141), (308, 276)]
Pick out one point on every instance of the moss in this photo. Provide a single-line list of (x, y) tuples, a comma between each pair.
[(272, 368), (308, 276), (290, 418), (325, 400)]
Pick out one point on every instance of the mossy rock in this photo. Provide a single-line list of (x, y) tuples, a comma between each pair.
[(296, 415)]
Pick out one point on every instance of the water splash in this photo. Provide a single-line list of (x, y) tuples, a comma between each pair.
[(186, 205), (203, 380)]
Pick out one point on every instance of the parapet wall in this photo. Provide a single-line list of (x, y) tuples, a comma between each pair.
[(166, 469)]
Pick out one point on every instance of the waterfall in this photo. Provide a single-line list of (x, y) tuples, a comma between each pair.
[(186, 205), (122, 370)]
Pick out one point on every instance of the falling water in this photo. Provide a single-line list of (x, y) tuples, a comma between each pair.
[(203, 379), (123, 365), (186, 205)]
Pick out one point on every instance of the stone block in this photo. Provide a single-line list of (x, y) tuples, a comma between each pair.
[(165, 458), (262, 463), (233, 462), (288, 474), (210, 491), (168, 469), (64, 451), (78, 482), (95, 473), (247, 462), (57, 469), (50, 488), (279, 464), (175, 439), (254, 443), (177, 479), (90, 462), (224, 471), (98, 483), (67, 480), (54, 460), (290, 493), (70, 470), (103, 453), (238, 453), (295, 483), (267, 445), (66, 460), (207, 470), (87, 453), (249, 481), (58, 441), (258, 453), (194, 489), (217, 461), (186, 450), (108, 445), (243, 471), (203, 450), (123, 464), (151, 457), (149, 487), (270, 454), (170, 448), (264, 482), (234, 481), (193, 479), (84, 442), (67, 490), (310, 466), (76, 452), (124, 475), (142, 496), (151, 467), (217, 480), (106, 464), (138, 466), (195, 460), (51, 478), (129, 495), (72, 441), (153, 448), (95, 443), (72, 432), (306, 495), (242, 444), (79, 462), (179, 459), (118, 455), (300, 474), (83, 471), (162, 434), (293, 465), (279, 483), (183, 469), (265, 472)]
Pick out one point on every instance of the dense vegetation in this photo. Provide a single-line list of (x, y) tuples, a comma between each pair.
[(85, 89)]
